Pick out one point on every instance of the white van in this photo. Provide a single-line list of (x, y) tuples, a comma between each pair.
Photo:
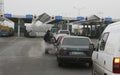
[(106, 57)]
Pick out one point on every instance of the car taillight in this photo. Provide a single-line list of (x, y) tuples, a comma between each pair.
[(116, 65), (63, 52)]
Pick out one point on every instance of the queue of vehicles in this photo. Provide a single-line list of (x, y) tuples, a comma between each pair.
[(104, 59), (72, 49)]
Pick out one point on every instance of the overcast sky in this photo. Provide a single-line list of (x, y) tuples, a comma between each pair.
[(105, 8)]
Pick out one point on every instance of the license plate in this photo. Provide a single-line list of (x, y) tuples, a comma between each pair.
[(77, 53)]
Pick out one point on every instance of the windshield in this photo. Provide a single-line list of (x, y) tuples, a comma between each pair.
[(75, 41)]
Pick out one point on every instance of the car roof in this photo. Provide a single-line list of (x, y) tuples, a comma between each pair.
[(112, 27), (63, 30), (61, 35), (75, 37)]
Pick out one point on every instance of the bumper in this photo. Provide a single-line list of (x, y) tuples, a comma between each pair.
[(73, 59)]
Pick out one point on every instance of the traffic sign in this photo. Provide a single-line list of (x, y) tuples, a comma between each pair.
[(8, 15), (58, 17), (80, 18), (29, 16)]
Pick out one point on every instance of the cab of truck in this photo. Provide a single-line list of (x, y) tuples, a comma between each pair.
[(106, 57), (4, 31)]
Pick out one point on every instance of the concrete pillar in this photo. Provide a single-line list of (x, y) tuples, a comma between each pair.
[(16, 27), (22, 27)]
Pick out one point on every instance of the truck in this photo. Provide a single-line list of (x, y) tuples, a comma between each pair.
[(6, 31)]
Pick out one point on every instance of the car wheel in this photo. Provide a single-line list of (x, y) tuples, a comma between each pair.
[(60, 64), (46, 51)]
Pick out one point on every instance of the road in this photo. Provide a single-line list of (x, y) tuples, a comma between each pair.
[(25, 56)]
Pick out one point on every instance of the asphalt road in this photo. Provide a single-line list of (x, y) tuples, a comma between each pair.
[(25, 56)]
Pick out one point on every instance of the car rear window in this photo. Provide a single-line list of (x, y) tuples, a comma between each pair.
[(76, 41), (64, 32)]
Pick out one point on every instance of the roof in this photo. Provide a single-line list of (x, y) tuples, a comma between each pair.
[(44, 17), (76, 37), (54, 21), (84, 37), (113, 26), (56, 36)]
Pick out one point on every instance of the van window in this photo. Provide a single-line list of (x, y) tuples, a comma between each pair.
[(103, 40)]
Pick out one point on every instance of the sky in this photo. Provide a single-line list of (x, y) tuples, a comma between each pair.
[(66, 8)]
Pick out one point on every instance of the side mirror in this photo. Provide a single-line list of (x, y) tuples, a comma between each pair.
[(91, 47)]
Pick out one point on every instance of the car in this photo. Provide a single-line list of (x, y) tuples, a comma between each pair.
[(32, 34), (56, 44), (106, 57), (57, 35), (75, 49), (64, 32)]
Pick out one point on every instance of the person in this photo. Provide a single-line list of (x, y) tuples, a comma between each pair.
[(48, 36)]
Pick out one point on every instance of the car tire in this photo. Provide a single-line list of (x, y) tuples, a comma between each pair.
[(46, 51), (60, 64)]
